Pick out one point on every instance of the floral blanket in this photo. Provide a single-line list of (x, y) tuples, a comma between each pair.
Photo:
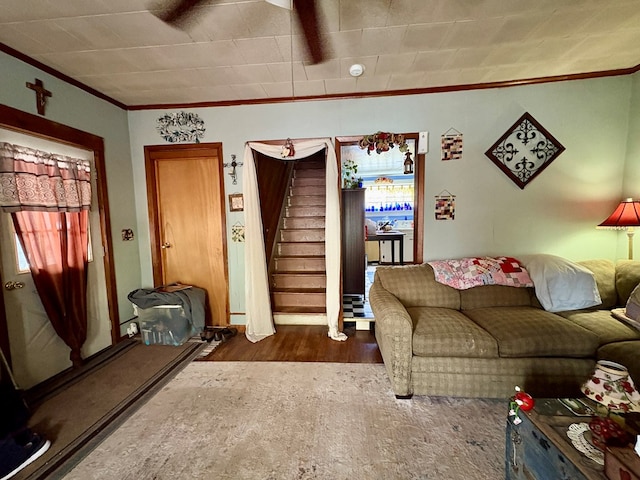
[(471, 272)]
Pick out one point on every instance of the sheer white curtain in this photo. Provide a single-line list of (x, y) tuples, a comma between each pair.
[(259, 317)]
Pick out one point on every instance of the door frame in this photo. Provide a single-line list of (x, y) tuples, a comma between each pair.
[(29, 124), (419, 179), (197, 150)]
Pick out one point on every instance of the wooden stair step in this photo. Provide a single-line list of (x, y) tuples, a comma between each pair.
[(305, 211), (306, 223), (300, 249), (306, 200), (302, 235), (300, 309), (294, 280), (310, 164), (308, 181), (299, 264), (310, 172), (318, 190), (294, 299)]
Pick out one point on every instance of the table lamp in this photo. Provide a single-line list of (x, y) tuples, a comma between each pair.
[(625, 217), (610, 385)]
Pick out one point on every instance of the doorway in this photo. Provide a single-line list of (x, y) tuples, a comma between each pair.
[(27, 337), (392, 197), (185, 191)]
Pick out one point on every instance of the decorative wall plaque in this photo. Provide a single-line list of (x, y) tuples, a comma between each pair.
[(181, 127), (524, 151)]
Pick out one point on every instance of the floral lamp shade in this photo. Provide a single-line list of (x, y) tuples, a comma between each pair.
[(611, 386)]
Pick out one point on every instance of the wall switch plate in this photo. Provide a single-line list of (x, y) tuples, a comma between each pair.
[(423, 142)]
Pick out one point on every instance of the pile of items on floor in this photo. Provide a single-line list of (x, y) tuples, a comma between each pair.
[(172, 314)]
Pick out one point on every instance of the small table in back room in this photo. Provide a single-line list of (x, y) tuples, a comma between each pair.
[(392, 236)]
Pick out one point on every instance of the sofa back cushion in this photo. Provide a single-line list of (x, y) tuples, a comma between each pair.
[(416, 286), (627, 277), (495, 296), (605, 274)]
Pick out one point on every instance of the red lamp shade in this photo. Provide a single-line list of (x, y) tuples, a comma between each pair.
[(627, 214), (625, 217)]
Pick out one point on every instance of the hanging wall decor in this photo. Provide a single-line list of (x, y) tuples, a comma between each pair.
[(451, 145), (524, 151), (445, 206), (181, 127), (383, 142), (236, 202), (237, 233), (287, 149)]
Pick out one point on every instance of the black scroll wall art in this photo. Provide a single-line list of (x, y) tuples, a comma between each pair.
[(524, 151)]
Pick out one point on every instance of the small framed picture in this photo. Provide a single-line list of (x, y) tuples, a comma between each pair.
[(236, 202)]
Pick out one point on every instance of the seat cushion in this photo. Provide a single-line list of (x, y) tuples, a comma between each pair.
[(603, 324), (531, 332), (444, 332)]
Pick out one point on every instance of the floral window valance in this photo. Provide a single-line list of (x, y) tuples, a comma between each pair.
[(41, 181)]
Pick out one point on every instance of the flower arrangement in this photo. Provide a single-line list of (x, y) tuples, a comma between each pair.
[(349, 173), (382, 142)]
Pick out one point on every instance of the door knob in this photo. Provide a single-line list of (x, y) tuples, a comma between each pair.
[(166, 245), (13, 285)]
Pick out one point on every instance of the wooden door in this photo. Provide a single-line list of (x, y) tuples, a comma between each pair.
[(187, 220)]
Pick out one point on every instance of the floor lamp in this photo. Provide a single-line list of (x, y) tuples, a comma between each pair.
[(626, 216)]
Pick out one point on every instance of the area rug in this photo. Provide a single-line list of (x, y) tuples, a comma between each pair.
[(283, 420)]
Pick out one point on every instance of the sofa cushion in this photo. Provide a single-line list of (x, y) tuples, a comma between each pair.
[(444, 332), (627, 277), (416, 286), (605, 274), (495, 296), (531, 332), (625, 353), (603, 324)]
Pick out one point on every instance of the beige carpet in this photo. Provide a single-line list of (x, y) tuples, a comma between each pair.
[(273, 420)]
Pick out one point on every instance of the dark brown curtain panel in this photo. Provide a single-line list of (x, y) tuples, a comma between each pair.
[(56, 246)]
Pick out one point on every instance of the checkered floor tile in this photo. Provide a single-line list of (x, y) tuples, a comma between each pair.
[(357, 306)]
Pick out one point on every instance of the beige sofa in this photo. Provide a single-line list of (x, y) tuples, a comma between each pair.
[(483, 341)]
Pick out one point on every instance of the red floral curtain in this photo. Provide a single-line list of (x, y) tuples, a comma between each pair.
[(49, 197)]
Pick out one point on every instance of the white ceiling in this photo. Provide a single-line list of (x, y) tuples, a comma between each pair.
[(241, 49)]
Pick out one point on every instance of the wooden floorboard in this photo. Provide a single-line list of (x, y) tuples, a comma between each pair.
[(301, 343)]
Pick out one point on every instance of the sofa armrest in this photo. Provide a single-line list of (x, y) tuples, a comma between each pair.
[(394, 334)]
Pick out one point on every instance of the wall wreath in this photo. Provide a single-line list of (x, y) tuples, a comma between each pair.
[(181, 127)]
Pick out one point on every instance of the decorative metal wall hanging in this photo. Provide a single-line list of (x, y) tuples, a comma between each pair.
[(451, 145), (233, 174), (382, 142), (445, 208), (524, 151), (181, 127)]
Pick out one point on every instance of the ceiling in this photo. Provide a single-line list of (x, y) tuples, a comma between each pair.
[(243, 50)]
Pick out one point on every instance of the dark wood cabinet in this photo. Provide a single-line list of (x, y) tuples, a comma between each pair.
[(353, 242)]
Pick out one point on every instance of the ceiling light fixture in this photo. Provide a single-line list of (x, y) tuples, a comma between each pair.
[(356, 70)]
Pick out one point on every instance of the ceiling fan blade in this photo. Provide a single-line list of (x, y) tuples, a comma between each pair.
[(308, 17), (179, 11)]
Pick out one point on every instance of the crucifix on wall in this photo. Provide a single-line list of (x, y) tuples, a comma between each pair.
[(41, 94)]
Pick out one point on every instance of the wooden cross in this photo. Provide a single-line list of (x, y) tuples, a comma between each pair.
[(41, 94)]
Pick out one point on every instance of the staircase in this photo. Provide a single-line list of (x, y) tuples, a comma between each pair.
[(298, 274)]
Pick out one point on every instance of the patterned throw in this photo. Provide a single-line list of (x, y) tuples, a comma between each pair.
[(471, 272)]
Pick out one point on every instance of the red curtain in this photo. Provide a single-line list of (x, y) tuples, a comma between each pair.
[(56, 245)]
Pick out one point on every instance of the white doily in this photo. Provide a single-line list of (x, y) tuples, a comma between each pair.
[(576, 434)]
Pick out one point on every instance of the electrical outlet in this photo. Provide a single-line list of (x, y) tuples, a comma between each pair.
[(423, 142)]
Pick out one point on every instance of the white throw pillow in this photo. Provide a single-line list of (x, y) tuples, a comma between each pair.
[(561, 284)]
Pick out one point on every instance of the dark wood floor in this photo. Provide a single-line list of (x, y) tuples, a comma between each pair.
[(294, 343)]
